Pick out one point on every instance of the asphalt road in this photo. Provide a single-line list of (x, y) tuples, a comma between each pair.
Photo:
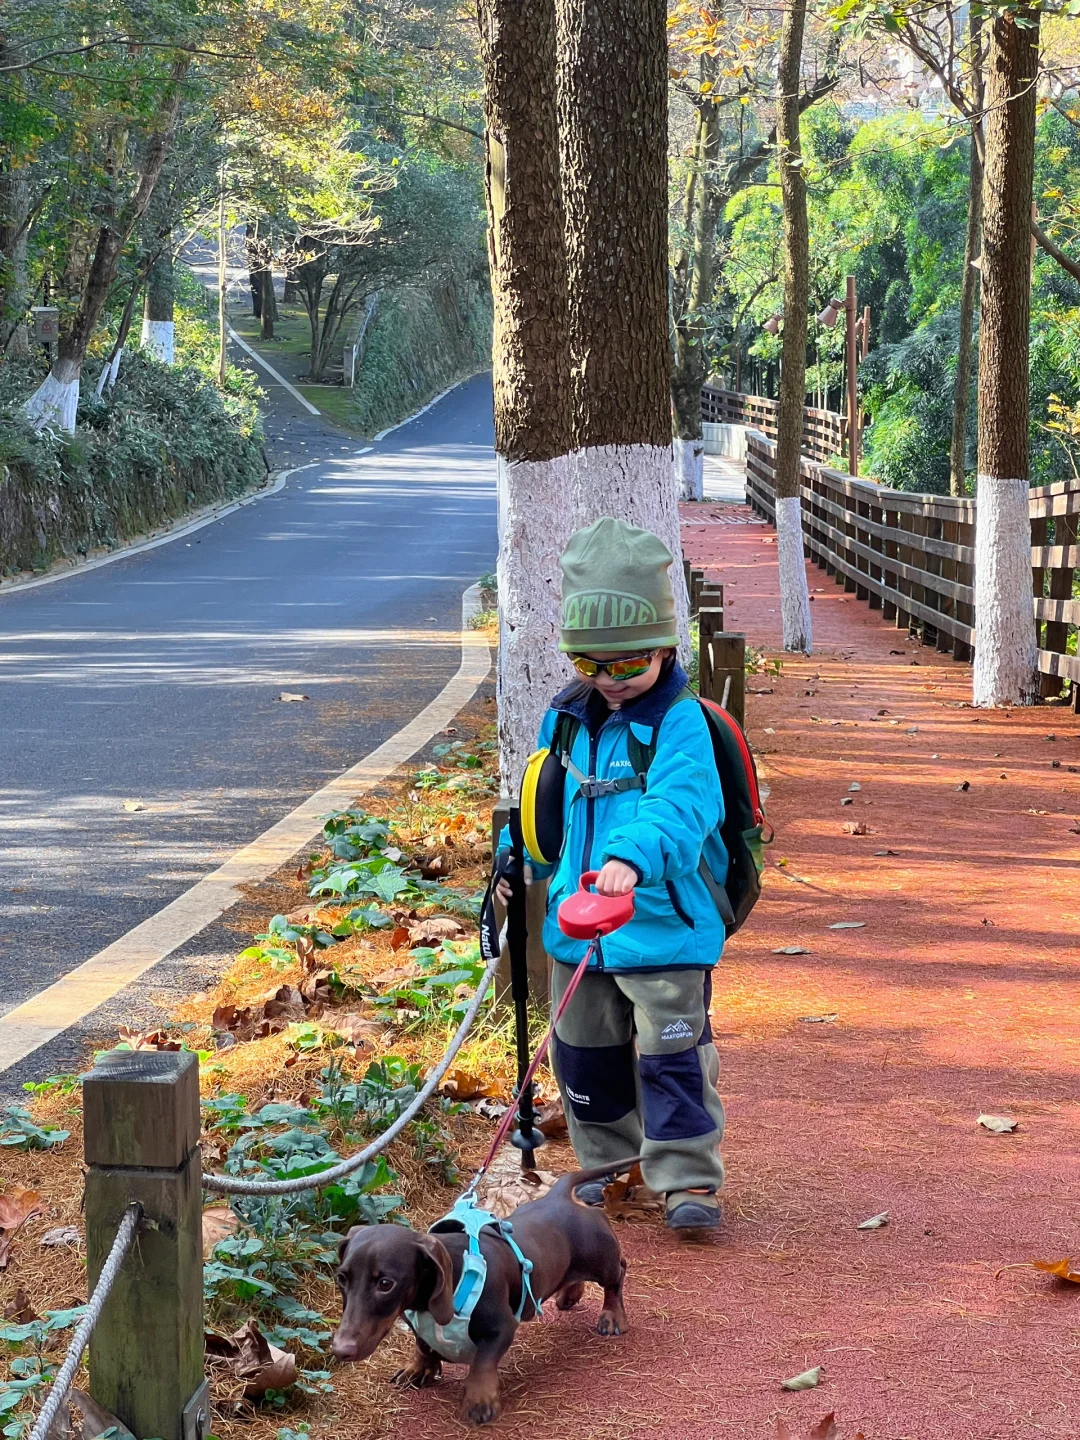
[(154, 680)]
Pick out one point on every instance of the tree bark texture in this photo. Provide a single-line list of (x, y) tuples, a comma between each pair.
[(612, 98), (530, 364), (56, 400), (158, 328), (1005, 651), (969, 287), (613, 142), (965, 347), (794, 590)]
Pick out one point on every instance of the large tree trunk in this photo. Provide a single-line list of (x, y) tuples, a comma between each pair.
[(158, 327), (56, 400), (1005, 652), (613, 145), (970, 283), (794, 591), (531, 367)]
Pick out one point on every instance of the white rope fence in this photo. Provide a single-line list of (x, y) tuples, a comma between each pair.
[(230, 1185), (125, 1236)]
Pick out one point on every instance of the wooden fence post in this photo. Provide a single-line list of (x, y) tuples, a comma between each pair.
[(141, 1143), (722, 667)]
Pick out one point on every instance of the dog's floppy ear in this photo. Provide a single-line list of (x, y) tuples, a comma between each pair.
[(441, 1299), (356, 1229)]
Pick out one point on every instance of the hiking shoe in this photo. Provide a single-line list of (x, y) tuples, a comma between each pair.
[(693, 1210), (592, 1192)]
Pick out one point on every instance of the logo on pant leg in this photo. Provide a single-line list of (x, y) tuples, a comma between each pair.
[(677, 1030), (577, 1099)]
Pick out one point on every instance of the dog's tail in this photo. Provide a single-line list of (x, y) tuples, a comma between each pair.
[(568, 1183)]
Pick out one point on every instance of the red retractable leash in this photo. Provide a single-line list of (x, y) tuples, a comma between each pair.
[(585, 915)]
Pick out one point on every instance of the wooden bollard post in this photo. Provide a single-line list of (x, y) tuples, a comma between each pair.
[(141, 1143), (729, 674), (712, 597), (697, 580), (710, 624)]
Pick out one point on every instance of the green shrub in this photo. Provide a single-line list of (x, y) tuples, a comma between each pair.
[(162, 442)]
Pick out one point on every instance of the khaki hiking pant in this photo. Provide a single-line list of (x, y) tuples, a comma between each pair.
[(637, 1069)]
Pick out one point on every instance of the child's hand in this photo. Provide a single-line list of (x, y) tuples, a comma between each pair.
[(616, 878), (502, 887)]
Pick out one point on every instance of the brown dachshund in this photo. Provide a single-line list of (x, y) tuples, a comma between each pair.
[(385, 1270)]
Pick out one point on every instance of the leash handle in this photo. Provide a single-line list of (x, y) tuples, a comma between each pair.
[(542, 1050)]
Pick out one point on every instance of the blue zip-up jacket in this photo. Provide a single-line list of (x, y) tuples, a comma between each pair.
[(661, 832)]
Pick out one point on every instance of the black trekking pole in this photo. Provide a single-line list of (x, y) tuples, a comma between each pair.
[(526, 1137)]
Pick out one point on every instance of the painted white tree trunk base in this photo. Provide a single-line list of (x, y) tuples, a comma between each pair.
[(690, 468), (56, 400), (635, 483), (794, 589), (535, 522), (159, 340), (1005, 643)]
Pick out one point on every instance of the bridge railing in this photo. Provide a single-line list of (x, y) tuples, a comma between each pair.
[(913, 556), (824, 431)]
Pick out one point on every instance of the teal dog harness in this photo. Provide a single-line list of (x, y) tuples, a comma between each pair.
[(452, 1342)]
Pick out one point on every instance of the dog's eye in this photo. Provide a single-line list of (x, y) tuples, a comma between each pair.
[(384, 1283)]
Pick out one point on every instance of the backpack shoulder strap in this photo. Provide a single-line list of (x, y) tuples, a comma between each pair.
[(566, 728), (642, 755)]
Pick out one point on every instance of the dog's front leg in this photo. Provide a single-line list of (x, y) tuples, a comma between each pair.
[(482, 1384), (425, 1368)]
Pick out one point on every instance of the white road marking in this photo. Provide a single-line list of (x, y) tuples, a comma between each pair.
[(271, 371), (53, 1010)]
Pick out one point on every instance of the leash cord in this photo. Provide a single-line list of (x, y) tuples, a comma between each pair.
[(538, 1059)]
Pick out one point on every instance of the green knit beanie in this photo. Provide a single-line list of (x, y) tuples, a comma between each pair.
[(616, 594)]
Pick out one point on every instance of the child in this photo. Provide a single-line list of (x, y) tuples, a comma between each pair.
[(633, 1053)]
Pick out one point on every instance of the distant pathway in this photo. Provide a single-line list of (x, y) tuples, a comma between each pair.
[(854, 1071)]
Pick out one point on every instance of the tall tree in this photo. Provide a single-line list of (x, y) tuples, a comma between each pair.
[(612, 59), (794, 591), (158, 326), (1005, 649), (56, 399), (530, 362)]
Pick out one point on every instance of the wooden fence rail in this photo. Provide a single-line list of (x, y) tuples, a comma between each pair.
[(824, 431), (913, 556)]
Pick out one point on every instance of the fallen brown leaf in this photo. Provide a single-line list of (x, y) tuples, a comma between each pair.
[(1060, 1269), (305, 952), (284, 1003), (218, 1223), (461, 1085), (148, 1039), (399, 938), (62, 1235), (857, 827), (552, 1120), (82, 1418), (434, 929), (19, 1309), (630, 1199), (354, 1029), (251, 1357), (825, 1429), (506, 1185), (17, 1206), (397, 975)]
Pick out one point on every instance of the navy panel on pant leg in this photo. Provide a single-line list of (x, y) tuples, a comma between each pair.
[(671, 1096), (599, 1080)]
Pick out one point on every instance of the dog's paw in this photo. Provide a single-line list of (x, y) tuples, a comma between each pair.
[(611, 1323), (569, 1296), (481, 1412), (416, 1377)]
